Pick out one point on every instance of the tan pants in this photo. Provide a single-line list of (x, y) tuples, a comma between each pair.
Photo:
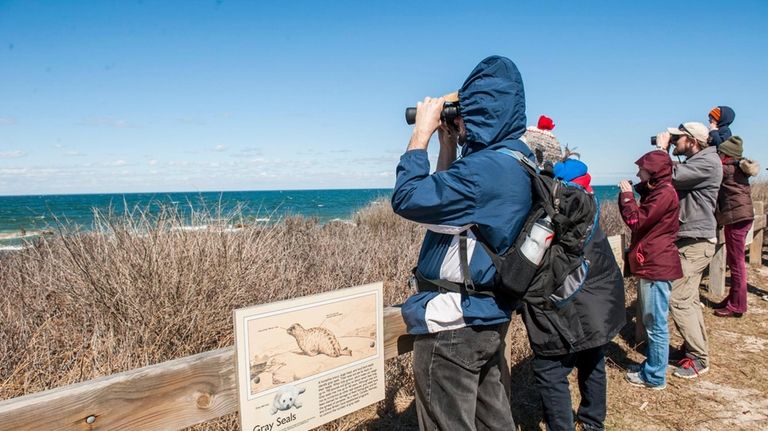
[(684, 304)]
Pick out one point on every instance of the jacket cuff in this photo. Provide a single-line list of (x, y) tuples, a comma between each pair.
[(625, 197)]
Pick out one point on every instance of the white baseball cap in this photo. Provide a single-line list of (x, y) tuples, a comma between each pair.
[(695, 130)]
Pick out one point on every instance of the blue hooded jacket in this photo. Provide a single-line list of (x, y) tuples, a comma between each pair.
[(723, 132), (484, 188)]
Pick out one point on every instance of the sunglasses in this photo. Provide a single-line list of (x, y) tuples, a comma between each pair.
[(686, 131)]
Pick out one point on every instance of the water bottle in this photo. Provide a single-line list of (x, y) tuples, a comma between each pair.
[(538, 240)]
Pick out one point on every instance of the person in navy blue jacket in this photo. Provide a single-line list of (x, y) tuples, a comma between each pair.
[(458, 344), (720, 119)]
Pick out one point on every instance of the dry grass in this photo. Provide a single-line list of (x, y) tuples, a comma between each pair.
[(143, 291), (610, 219)]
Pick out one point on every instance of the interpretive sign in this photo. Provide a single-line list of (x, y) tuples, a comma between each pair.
[(310, 360)]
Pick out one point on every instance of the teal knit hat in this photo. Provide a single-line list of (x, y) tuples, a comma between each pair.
[(732, 147)]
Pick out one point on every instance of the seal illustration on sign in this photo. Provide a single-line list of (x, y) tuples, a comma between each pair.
[(314, 341), (286, 398)]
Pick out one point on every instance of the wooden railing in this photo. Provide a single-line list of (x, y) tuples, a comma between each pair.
[(184, 392), (167, 396)]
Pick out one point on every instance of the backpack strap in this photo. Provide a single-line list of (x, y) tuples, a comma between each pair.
[(525, 161), (536, 182), (467, 287), (464, 261), (425, 284)]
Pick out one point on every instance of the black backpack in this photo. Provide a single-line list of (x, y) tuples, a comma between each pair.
[(563, 269)]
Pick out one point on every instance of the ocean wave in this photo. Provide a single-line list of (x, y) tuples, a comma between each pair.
[(12, 247), (26, 234), (191, 228)]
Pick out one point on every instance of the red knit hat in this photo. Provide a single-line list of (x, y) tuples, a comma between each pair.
[(546, 123)]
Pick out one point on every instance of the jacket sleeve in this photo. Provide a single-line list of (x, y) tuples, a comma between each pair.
[(689, 176), (447, 197), (641, 218), (714, 138)]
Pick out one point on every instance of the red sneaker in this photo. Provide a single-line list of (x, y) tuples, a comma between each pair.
[(690, 368)]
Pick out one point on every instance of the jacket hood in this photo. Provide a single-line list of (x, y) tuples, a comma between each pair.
[(584, 181), (492, 104), (749, 167), (658, 164), (727, 115)]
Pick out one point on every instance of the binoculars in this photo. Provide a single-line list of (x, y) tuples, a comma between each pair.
[(450, 111)]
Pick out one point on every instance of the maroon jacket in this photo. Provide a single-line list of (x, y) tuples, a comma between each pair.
[(734, 202), (654, 224)]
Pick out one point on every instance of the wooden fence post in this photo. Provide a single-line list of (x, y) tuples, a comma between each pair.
[(758, 227), (717, 267)]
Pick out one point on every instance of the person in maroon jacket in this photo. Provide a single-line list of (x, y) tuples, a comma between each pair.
[(653, 257), (734, 211)]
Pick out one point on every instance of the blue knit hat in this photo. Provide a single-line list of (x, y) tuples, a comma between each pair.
[(570, 169)]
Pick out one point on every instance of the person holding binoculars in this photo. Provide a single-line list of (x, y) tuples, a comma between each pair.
[(697, 181), (457, 351)]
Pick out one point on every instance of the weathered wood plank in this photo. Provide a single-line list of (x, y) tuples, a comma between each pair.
[(167, 396), (396, 338), (171, 395), (618, 244), (758, 227), (717, 267), (759, 223)]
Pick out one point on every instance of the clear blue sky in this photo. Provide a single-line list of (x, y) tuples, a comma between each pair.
[(119, 96)]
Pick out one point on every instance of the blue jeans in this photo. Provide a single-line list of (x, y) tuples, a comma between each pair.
[(551, 373), (458, 380), (654, 299)]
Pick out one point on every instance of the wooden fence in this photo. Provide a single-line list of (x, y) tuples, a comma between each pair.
[(199, 388)]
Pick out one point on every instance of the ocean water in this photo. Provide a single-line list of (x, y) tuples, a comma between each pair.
[(24, 217)]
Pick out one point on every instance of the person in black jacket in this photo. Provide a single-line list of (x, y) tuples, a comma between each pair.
[(595, 316)]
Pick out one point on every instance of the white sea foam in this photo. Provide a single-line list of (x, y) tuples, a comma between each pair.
[(190, 228), (20, 235)]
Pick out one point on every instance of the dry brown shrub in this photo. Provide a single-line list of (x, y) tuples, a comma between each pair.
[(760, 190), (143, 289), (610, 219)]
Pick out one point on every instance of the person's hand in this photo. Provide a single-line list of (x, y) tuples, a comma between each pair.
[(427, 121), (625, 185), (448, 135), (662, 140), (713, 125)]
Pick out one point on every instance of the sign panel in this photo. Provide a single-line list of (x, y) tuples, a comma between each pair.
[(307, 361)]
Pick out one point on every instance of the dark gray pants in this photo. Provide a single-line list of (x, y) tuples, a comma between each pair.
[(551, 373), (458, 380)]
